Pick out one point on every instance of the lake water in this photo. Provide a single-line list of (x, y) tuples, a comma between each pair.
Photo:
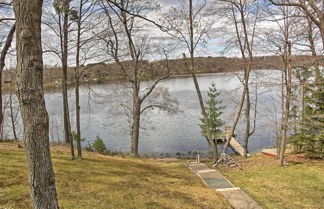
[(161, 132)]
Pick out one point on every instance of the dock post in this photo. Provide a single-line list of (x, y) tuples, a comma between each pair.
[(198, 158)]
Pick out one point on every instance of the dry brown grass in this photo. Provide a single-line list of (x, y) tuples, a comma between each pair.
[(107, 182)]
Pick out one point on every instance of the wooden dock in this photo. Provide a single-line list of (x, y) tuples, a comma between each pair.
[(237, 147)]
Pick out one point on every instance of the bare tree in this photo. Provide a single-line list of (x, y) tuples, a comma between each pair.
[(314, 10), (190, 25), (282, 40), (83, 20), (243, 15), (128, 45), (32, 103), (59, 22)]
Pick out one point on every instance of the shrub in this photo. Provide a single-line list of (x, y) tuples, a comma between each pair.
[(99, 145), (75, 136)]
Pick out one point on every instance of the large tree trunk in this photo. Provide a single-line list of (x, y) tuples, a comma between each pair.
[(29, 76), (66, 113), (3, 55), (136, 125)]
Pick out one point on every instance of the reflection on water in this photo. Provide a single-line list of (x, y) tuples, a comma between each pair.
[(164, 133)]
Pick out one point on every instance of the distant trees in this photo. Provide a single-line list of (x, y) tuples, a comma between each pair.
[(32, 103)]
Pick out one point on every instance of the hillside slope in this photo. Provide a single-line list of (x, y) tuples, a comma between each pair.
[(107, 182)]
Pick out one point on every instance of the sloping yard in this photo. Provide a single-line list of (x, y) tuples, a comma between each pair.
[(107, 182), (300, 184)]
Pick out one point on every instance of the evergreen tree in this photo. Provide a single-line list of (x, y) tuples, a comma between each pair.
[(310, 135), (214, 112)]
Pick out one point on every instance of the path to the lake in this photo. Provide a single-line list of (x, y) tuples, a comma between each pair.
[(214, 179)]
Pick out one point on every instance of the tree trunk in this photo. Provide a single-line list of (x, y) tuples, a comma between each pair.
[(12, 117), (3, 55), (77, 83), (310, 37), (203, 110), (237, 118), (66, 113), (322, 32), (29, 76), (78, 126), (200, 98), (284, 125), (1, 110), (135, 125), (247, 116)]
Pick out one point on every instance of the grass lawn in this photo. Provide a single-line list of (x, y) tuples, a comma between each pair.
[(107, 182), (300, 184)]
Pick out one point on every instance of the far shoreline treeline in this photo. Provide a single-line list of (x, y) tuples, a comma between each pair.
[(94, 73)]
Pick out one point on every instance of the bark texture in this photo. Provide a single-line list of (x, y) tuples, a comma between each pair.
[(136, 123), (32, 103)]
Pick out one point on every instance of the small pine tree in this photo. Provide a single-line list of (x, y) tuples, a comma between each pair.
[(214, 112), (99, 145)]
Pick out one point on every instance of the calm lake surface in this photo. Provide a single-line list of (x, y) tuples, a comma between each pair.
[(161, 132)]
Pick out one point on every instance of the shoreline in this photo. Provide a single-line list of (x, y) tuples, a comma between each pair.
[(52, 86)]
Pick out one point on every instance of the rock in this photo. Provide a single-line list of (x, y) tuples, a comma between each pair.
[(226, 160)]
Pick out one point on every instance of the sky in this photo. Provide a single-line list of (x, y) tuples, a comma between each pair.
[(214, 46)]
